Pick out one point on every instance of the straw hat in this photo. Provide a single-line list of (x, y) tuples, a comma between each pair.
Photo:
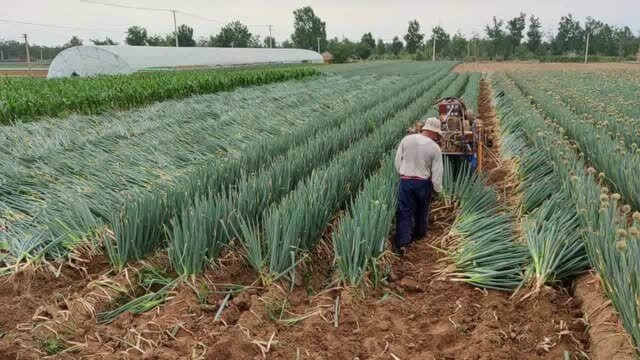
[(432, 124)]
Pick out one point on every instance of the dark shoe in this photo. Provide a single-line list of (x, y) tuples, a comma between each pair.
[(402, 251), (418, 237)]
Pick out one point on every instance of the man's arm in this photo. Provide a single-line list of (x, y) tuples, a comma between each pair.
[(398, 160), (437, 168)]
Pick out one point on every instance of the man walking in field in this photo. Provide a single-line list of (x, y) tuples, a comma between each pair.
[(419, 163)]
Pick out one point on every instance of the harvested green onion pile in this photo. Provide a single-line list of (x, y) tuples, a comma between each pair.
[(486, 254)]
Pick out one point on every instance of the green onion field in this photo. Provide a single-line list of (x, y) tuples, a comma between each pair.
[(248, 213)]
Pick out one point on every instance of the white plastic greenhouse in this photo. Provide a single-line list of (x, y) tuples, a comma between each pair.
[(124, 59)]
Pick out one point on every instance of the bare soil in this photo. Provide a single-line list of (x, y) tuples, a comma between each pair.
[(491, 67), (608, 339), (22, 72)]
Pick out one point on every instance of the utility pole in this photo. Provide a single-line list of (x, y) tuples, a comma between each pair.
[(468, 48), (586, 52), (270, 37), (40, 54), (26, 45), (1, 55), (433, 58), (638, 56), (175, 26), (319, 45)]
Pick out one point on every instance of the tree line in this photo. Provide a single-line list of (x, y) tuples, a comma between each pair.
[(520, 37)]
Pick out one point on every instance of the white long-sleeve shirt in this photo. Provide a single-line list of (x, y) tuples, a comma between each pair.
[(420, 156)]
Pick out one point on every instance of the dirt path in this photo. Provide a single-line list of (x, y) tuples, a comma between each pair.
[(23, 72), (491, 67)]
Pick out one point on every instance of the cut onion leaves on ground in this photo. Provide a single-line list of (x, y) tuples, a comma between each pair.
[(486, 253)]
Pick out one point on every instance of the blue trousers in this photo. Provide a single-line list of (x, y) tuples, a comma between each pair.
[(412, 216)]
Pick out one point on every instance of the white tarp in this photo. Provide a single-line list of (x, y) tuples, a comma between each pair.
[(124, 59)]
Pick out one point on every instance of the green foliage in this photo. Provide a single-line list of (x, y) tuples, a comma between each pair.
[(106, 41), (413, 38), (44, 164), (296, 223), (496, 36), (515, 27), (207, 204), (580, 59), (136, 36), (234, 34), (185, 36), (381, 47), (442, 41), (570, 37), (534, 35), (458, 47), (342, 50), (51, 344), (75, 41), (396, 46), (611, 238), (147, 302), (486, 254), (25, 98), (600, 144), (366, 46), (361, 236), (307, 28)]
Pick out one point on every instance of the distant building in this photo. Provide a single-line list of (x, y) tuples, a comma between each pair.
[(328, 57), (124, 59)]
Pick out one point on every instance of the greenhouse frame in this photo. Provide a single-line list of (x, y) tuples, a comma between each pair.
[(124, 59)]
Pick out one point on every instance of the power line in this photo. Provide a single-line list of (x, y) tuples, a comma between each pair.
[(126, 6), (55, 26), (164, 10)]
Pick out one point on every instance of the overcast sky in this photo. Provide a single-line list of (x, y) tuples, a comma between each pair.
[(350, 18)]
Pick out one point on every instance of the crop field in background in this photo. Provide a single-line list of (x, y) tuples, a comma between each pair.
[(251, 210), (27, 98)]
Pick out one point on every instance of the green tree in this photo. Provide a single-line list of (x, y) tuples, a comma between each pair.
[(366, 46), (287, 44), (156, 40), (516, 27), (202, 42), (307, 28), (413, 38), (255, 41), (495, 33), (106, 41), (458, 46), (627, 42), (136, 36), (570, 36), (367, 38), (396, 46), (534, 35), (381, 47), (234, 34), (342, 50), (74, 41), (442, 41), (269, 42), (185, 36)]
